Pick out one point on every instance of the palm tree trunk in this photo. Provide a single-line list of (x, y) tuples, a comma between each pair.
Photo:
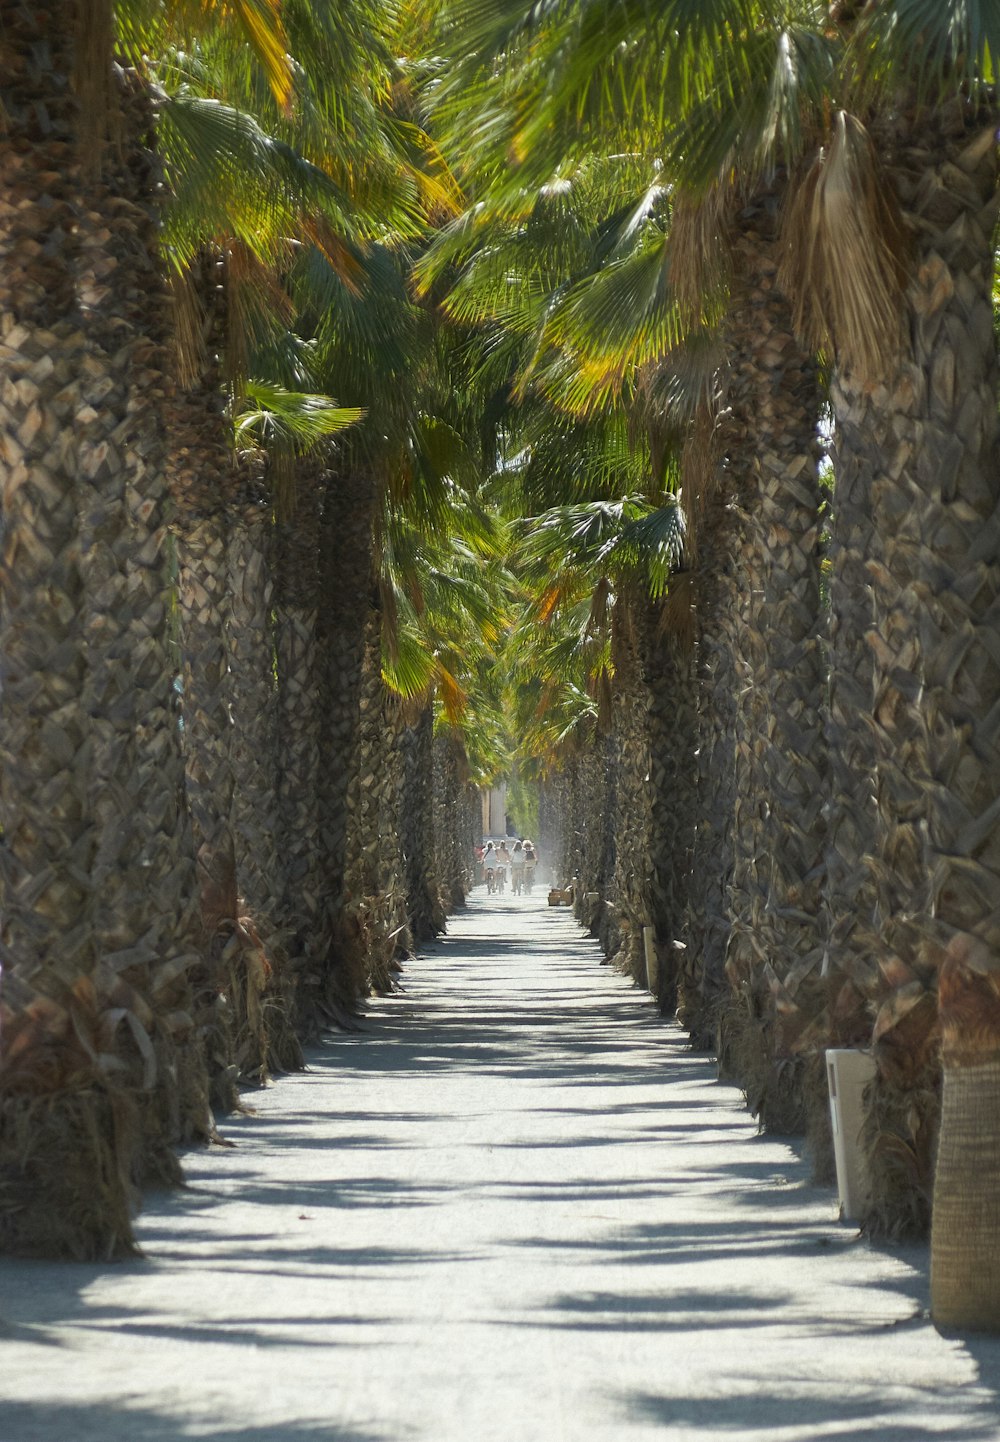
[(256, 828), (669, 669), (347, 587), (374, 923), (551, 819), (68, 1134), (721, 540), (589, 843), (965, 1268), (303, 913), (776, 893), (848, 974), (629, 897), (144, 897), (567, 787), (207, 482), (416, 829), (228, 1012), (932, 450), (456, 829)]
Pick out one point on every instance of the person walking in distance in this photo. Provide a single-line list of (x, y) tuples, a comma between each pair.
[(490, 867), (517, 868), (530, 862)]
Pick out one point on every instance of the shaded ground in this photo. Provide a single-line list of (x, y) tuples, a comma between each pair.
[(513, 1207)]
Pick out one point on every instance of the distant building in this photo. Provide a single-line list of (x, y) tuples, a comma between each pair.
[(494, 802)]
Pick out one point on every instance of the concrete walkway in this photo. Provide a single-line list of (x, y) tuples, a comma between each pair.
[(513, 1207)]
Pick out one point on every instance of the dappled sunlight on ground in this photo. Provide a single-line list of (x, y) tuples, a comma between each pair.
[(513, 1205)]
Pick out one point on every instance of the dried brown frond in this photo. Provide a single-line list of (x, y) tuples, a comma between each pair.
[(699, 473), (671, 392), (969, 1002), (344, 264), (773, 1086), (605, 701), (251, 287), (699, 251), (845, 255), (453, 697), (66, 1163), (189, 335), (599, 607), (677, 617), (899, 1139)]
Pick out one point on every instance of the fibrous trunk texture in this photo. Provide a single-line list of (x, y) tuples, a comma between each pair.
[(457, 820), (228, 1013), (628, 901), (586, 858), (704, 987), (254, 759), (101, 1069), (776, 894), (965, 1263), (374, 926), (206, 482), (848, 973), (416, 829), (672, 719), (144, 894), (348, 597), (937, 613), (304, 916), (932, 451), (49, 1086)]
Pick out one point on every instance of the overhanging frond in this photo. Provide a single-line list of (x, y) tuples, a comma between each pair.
[(846, 252)]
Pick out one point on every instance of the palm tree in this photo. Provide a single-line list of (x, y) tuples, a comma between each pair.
[(93, 812), (940, 154), (342, 167), (441, 597), (457, 819), (917, 426), (138, 1007), (593, 562), (46, 812), (768, 446)]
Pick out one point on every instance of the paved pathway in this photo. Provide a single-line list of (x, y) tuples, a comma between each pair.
[(513, 1209)]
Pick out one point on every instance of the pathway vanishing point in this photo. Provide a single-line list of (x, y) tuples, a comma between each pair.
[(514, 1206)]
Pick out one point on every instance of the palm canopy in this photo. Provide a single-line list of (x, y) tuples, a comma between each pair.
[(571, 289), (717, 95), (257, 23), (695, 84), (335, 168)]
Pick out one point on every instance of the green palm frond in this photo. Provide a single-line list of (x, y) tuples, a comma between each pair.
[(653, 544), (939, 46), (408, 668), (569, 544), (229, 178), (148, 26), (271, 416), (562, 459)]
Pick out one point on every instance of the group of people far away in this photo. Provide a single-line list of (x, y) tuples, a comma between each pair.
[(520, 862)]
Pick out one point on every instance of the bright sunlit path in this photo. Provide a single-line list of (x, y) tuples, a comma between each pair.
[(513, 1207)]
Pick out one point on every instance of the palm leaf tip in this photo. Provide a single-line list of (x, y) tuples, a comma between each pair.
[(261, 22), (293, 419)]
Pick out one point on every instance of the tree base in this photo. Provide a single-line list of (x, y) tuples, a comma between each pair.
[(66, 1174), (965, 1262)]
